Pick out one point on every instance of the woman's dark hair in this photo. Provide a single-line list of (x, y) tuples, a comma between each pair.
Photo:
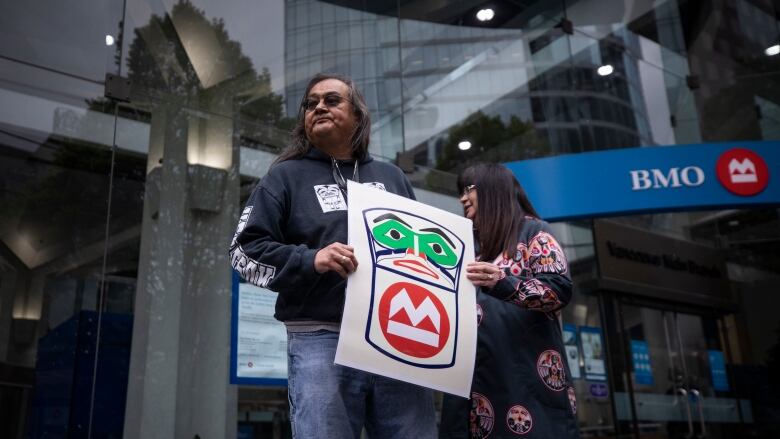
[(501, 207), (300, 145)]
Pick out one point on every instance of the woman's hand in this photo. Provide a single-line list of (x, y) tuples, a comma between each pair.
[(484, 274), (336, 257)]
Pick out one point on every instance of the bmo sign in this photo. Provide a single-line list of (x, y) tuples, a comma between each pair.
[(653, 179), (673, 177), (741, 171)]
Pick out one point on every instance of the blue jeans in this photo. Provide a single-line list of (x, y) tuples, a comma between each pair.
[(328, 401)]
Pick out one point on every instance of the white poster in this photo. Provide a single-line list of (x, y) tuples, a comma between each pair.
[(573, 357), (593, 353), (261, 343), (572, 351), (410, 312)]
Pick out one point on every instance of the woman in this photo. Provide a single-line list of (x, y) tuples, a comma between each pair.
[(521, 381)]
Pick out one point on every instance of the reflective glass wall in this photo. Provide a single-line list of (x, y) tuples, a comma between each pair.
[(70, 205), (131, 133)]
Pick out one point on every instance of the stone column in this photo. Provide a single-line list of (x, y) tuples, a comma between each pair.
[(179, 369), (7, 283)]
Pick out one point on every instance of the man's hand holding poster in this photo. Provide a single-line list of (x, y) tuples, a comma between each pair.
[(410, 312)]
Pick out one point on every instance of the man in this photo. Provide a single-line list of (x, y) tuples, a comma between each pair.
[(291, 239)]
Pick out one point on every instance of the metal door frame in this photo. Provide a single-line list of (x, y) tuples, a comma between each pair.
[(619, 356)]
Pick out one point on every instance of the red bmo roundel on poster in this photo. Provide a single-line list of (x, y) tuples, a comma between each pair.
[(413, 320), (742, 172)]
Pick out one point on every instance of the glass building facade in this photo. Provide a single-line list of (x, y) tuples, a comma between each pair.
[(132, 132)]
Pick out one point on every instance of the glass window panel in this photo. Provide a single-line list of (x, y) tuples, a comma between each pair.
[(328, 39), (355, 34), (71, 41), (57, 137), (455, 78)]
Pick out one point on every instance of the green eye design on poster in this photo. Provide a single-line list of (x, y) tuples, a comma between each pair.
[(414, 247), (393, 233)]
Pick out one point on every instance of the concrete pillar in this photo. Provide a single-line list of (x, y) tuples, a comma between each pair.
[(179, 369), (20, 315), (7, 282)]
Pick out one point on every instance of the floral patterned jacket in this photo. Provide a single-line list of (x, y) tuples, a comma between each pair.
[(522, 385)]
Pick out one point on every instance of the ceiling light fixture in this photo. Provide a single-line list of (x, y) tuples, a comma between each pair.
[(486, 14), (772, 50), (605, 70), (464, 145)]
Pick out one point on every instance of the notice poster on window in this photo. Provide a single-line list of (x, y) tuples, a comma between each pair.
[(640, 358), (259, 341), (593, 353), (720, 380), (572, 351), (410, 312)]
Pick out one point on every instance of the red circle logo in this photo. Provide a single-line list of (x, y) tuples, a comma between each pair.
[(742, 172), (413, 320)]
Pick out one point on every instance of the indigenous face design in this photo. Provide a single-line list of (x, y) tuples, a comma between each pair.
[(416, 265), (551, 370), (535, 294), (519, 420), (330, 197), (546, 255), (482, 417), (414, 247)]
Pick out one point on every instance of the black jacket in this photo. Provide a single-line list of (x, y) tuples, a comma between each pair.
[(295, 210), (522, 386)]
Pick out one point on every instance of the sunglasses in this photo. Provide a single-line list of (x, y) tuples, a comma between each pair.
[(467, 190), (331, 100)]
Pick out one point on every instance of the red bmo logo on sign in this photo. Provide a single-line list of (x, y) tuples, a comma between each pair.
[(742, 172), (413, 320)]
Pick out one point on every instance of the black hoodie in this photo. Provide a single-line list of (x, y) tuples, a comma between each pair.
[(295, 210)]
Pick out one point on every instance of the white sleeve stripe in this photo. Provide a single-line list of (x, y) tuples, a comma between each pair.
[(254, 272)]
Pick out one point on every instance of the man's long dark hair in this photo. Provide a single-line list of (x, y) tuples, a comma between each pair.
[(299, 143), (501, 207)]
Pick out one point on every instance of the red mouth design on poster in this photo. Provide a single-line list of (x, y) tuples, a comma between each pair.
[(415, 263)]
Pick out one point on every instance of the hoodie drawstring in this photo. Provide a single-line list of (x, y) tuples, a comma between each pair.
[(339, 178)]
